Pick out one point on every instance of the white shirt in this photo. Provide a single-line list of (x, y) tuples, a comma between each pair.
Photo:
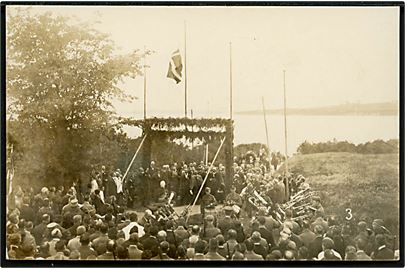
[(128, 228), (118, 183)]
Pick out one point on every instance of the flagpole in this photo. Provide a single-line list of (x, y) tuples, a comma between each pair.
[(230, 81), (144, 84), (285, 138), (265, 125), (185, 69), (192, 129)]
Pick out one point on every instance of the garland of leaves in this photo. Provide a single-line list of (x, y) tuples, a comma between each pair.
[(173, 123), (183, 128)]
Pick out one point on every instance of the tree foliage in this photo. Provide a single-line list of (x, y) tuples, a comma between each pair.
[(61, 79), (374, 147)]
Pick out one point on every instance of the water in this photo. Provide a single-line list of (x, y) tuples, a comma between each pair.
[(355, 129)]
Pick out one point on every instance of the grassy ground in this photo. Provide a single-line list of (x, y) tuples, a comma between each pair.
[(368, 184)]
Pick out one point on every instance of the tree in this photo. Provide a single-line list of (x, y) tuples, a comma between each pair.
[(61, 79)]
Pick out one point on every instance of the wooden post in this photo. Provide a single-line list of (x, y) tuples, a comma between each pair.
[(133, 159), (265, 125), (229, 157)]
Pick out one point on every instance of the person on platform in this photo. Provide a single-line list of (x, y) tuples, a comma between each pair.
[(162, 193), (234, 198), (208, 201)]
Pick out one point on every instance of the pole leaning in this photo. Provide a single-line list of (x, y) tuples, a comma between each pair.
[(208, 172), (133, 158)]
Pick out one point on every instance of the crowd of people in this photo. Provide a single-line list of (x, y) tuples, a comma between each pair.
[(255, 221)]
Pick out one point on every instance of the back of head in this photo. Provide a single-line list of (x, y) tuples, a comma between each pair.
[(164, 246), (60, 246), (133, 217), (289, 255), (199, 246), (361, 244), (85, 239), (232, 234), (213, 244), (122, 253), (328, 243), (261, 220), (249, 245), (80, 230), (275, 255), (328, 254), (104, 228), (195, 229), (221, 240), (380, 239)]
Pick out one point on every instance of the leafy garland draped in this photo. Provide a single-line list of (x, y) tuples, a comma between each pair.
[(183, 128)]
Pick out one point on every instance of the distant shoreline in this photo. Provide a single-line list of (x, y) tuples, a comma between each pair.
[(350, 109)]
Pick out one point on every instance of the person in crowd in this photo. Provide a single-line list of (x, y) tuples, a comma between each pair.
[(212, 254)]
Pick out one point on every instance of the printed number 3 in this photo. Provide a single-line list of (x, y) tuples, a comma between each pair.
[(349, 214)]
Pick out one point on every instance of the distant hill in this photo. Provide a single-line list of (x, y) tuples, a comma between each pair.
[(385, 108)]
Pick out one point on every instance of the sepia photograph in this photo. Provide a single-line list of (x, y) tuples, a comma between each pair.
[(267, 134)]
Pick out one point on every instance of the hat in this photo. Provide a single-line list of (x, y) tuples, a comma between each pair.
[(80, 230), (56, 233), (256, 236), (378, 222), (52, 225), (74, 201), (44, 189)]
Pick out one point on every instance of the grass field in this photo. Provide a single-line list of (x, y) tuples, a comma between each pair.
[(368, 184)]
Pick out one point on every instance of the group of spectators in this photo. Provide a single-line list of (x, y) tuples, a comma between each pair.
[(58, 224)]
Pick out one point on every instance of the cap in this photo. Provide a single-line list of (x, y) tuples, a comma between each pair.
[(74, 201)]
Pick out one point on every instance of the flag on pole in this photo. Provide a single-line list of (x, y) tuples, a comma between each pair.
[(175, 67)]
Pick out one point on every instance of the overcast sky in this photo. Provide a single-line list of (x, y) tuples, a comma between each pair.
[(331, 55)]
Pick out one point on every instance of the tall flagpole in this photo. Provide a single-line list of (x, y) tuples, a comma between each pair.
[(185, 69), (265, 125), (285, 140), (230, 81), (144, 84)]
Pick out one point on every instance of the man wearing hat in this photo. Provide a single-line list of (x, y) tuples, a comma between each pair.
[(56, 235), (227, 222), (234, 198), (40, 230), (260, 244), (74, 243), (72, 207)]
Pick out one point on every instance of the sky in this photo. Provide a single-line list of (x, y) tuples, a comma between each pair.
[(330, 55)]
